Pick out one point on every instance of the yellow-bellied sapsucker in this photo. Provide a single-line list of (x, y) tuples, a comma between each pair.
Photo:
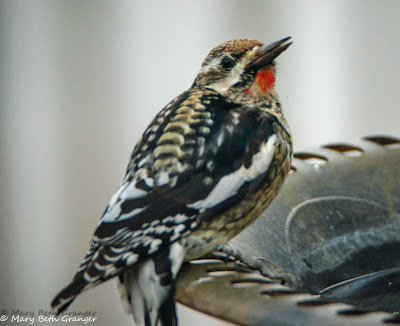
[(206, 167)]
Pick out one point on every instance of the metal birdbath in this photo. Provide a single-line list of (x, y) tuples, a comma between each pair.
[(335, 226)]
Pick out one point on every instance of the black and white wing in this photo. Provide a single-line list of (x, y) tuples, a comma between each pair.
[(199, 156)]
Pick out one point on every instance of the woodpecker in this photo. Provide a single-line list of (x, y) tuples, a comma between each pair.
[(205, 168)]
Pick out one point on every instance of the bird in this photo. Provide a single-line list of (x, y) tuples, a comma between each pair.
[(209, 163)]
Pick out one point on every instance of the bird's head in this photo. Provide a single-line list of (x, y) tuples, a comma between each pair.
[(242, 70)]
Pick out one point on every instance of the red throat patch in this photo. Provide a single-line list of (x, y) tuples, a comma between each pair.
[(265, 79)]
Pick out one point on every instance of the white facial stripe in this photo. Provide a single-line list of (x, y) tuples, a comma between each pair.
[(233, 76), (252, 52), (231, 79), (212, 65)]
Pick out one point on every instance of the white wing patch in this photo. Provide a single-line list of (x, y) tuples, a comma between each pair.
[(131, 214), (231, 183), (260, 161), (125, 192)]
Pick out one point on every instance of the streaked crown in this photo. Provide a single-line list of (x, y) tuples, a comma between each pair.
[(238, 65)]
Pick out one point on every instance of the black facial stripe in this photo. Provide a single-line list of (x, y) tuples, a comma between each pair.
[(227, 63)]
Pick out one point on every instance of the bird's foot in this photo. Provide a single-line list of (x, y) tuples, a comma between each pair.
[(264, 266)]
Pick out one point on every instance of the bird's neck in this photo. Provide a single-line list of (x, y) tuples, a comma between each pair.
[(268, 102), (254, 96)]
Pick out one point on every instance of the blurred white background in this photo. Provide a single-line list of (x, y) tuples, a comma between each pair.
[(80, 80)]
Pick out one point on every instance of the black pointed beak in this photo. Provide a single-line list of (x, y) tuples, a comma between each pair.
[(267, 53)]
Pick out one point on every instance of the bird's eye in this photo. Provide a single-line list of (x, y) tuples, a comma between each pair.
[(227, 63)]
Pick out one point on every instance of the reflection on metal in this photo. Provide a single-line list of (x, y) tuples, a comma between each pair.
[(336, 226)]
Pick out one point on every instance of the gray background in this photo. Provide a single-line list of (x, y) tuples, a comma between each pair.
[(80, 80)]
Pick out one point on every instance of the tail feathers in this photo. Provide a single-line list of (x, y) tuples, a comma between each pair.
[(167, 312), (67, 296), (149, 288)]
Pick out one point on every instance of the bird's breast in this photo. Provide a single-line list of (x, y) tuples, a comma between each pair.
[(225, 226)]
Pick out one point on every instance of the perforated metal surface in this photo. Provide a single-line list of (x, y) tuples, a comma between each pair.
[(336, 218)]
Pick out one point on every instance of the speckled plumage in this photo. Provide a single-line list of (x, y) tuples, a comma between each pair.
[(206, 167)]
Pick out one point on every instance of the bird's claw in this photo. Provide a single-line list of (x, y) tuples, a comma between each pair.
[(265, 267)]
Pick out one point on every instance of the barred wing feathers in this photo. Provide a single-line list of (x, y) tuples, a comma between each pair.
[(198, 157)]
